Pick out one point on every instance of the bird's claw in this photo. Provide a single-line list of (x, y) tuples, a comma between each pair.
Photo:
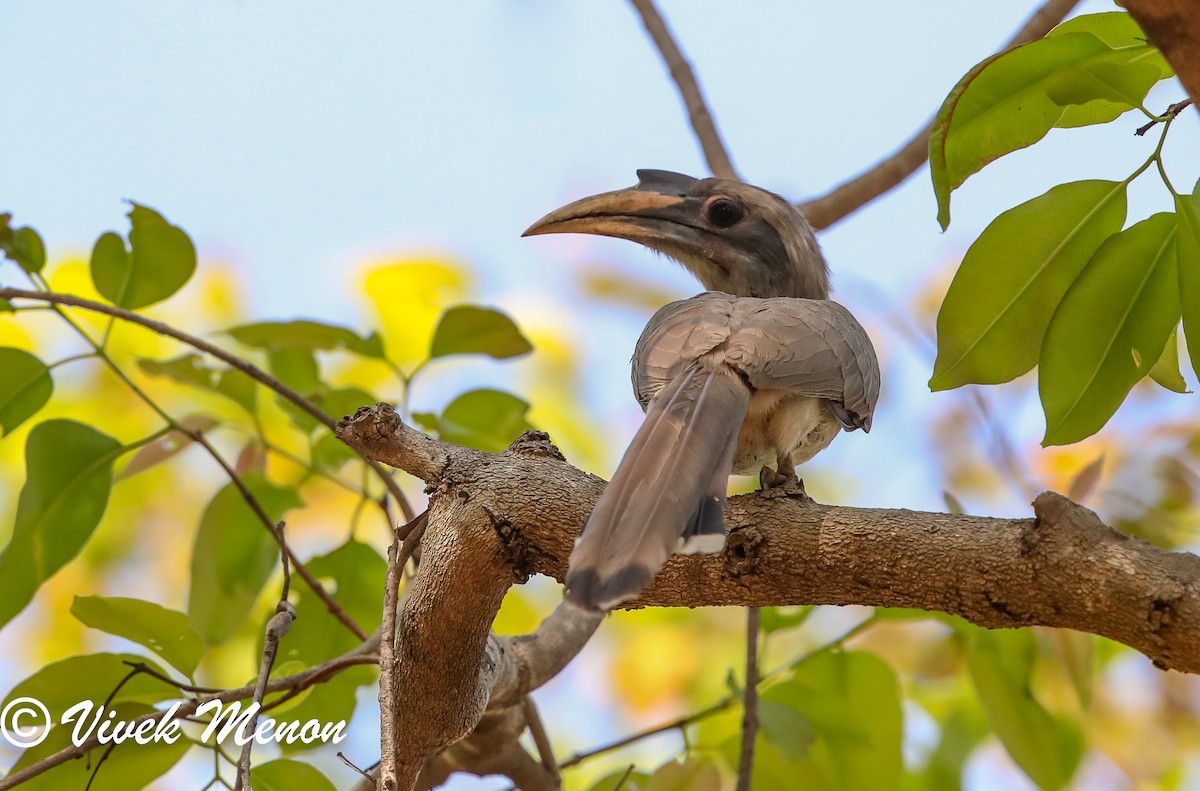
[(776, 484)]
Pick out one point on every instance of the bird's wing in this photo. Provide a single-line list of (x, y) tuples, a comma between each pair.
[(807, 346), (676, 335)]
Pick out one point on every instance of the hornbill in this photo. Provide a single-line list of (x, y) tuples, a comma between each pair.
[(759, 372)]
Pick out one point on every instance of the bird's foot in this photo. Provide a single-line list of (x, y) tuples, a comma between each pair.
[(781, 484)]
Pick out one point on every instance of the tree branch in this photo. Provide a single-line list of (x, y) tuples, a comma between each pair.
[(749, 702), (852, 195), (1174, 27), (496, 519), (1064, 568), (689, 89), (279, 625)]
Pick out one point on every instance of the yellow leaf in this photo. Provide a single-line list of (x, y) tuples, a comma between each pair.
[(409, 296)]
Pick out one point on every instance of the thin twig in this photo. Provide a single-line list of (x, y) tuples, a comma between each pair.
[(689, 88), (404, 543), (1172, 112), (750, 702), (232, 360), (624, 778), (852, 195), (350, 764), (312, 582), (676, 724), (66, 299), (541, 740), (277, 627), (146, 670)]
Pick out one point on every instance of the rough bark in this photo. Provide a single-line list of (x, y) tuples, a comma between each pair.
[(497, 519)]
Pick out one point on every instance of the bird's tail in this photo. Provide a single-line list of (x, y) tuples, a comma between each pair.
[(667, 492)]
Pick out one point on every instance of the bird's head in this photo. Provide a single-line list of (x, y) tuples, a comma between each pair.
[(733, 237)]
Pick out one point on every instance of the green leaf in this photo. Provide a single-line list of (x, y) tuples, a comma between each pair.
[(25, 388), (991, 324), (128, 767), (1187, 208), (1119, 31), (1076, 652), (165, 632), (1046, 748), (69, 468), (28, 249), (488, 420), (786, 728), (962, 731), (159, 261), (333, 402), (1130, 45), (239, 388), (307, 334), (355, 570), (287, 775), (1107, 80), (466, 329), (329, 453), (1109, 330), (694, 774), (852, 700), (234, 556), (1000, 106), (773, 619), (1166, 371), (6, 306), (189, 369), (22, 245), (62, 684), (296, 367), (342, 401)]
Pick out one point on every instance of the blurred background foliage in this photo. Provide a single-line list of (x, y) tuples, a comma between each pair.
[(1073, 710), (855, 698)]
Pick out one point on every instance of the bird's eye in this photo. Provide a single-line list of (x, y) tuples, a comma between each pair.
[(723, 212)]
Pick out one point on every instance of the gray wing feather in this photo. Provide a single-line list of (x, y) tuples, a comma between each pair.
[(806, 346), (811, 347)]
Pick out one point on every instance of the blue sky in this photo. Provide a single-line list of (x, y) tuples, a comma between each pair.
[(300, 139)]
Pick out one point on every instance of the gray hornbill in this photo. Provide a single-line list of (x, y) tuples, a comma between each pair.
[(759, 372)]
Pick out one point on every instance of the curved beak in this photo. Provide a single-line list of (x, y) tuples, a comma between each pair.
[(657, 212), (635, 213)]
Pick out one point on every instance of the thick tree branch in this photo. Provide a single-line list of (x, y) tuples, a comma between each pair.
[(497, 519), (1174, 27), (1063, 568), (852, 195), (404, 543)]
